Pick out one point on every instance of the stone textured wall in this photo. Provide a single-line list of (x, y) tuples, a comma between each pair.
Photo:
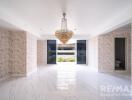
[(106, 49), (41, 52), (31, 53), (4, 53), (18, 53)]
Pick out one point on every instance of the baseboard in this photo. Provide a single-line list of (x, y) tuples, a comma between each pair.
[(30, 73), (23, 75), (4, 78), (105, 71), (18, 75), (122, 71)]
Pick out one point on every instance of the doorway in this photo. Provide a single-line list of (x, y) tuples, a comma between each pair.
[(120, 53)]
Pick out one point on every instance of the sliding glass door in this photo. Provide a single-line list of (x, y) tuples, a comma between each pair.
[(51, 51), (81, 51)]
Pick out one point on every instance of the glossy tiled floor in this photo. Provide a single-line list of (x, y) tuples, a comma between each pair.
[(69, 82)]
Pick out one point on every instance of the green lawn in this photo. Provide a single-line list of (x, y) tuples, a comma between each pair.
[(62, 59)]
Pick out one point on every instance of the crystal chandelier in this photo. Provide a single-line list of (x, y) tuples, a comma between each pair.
[(64, 34)]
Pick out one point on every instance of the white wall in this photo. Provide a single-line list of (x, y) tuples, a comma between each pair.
[(93, 52), (31, 53), (131, 53)]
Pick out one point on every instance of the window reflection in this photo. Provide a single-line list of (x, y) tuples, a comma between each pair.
[(66, 78), (81, 51)]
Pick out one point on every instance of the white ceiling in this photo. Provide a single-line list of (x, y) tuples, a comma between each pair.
[(87, 17), (6, 25)]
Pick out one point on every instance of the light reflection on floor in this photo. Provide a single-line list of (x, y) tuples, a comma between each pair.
[(66, 77), (64, 82)]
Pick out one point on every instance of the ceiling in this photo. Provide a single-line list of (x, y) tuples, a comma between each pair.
[(6, 25), (85, 17)]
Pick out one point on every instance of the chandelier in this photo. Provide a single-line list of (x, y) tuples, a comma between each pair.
[(64, 34)]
